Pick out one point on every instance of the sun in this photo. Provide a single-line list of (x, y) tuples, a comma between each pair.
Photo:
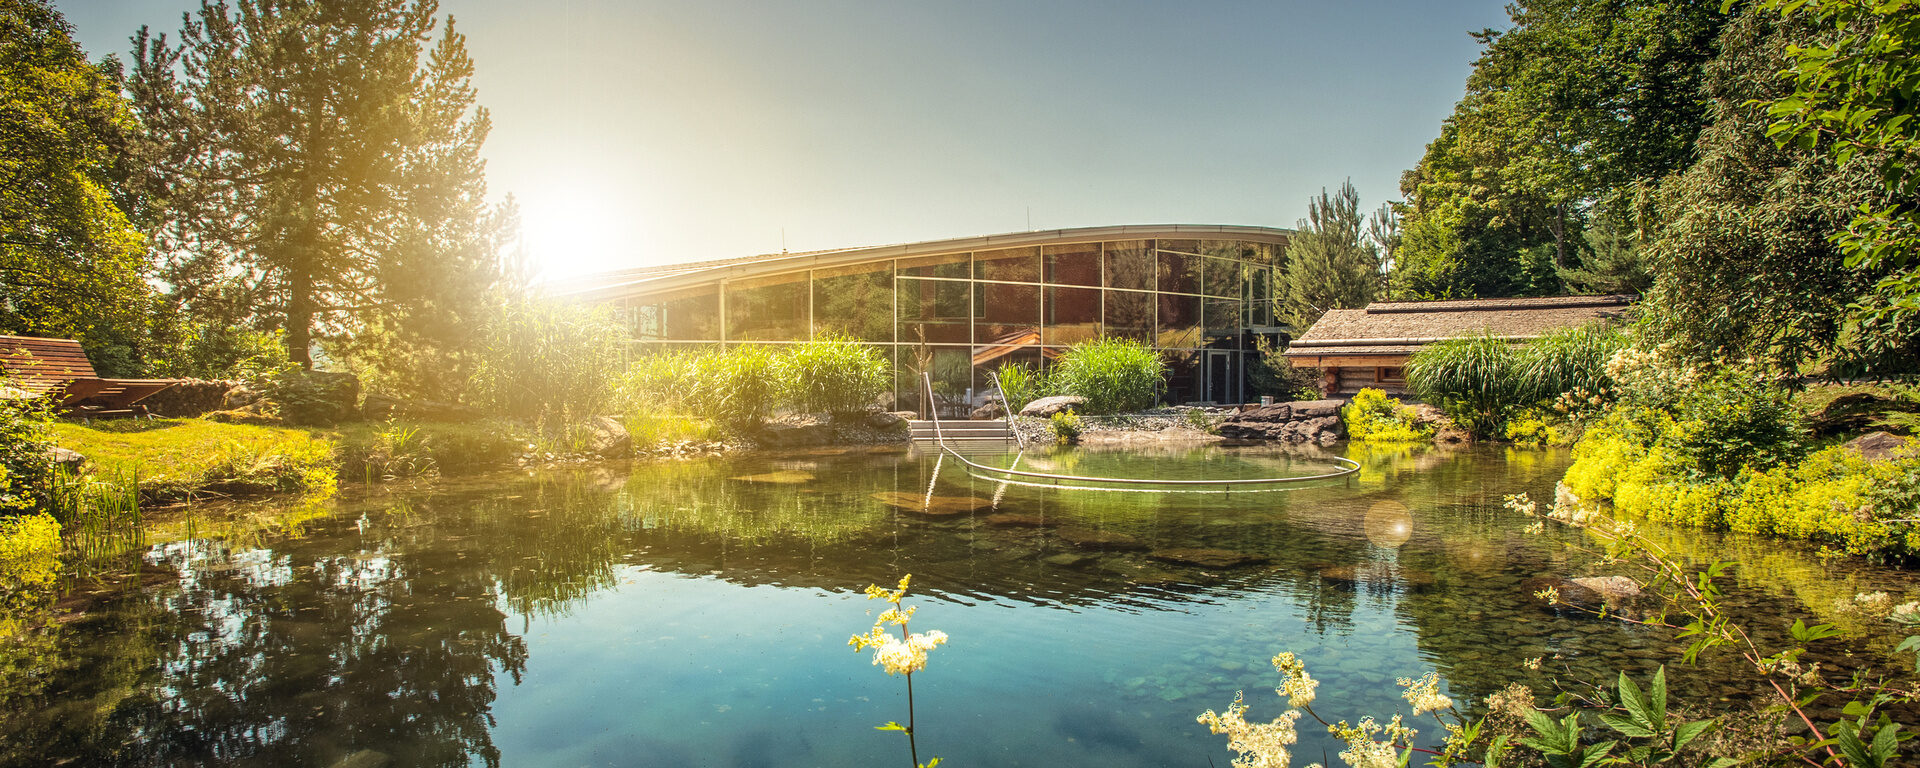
[(576, 228)]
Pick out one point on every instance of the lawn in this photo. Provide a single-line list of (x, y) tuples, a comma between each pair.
[(180, 458)]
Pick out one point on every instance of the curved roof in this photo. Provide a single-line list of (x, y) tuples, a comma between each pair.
[(645, 280)]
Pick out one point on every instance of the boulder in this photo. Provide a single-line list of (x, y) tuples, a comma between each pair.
[(991, 410), (1046, 407), (1097, 539), (1612, 589), (605, 436), (888, 422), (319, 398), (188, 398), (1310, 421), (795, 432), (66, 459), (1308, 409), (255, 413), (240, 396), (1878, 446)]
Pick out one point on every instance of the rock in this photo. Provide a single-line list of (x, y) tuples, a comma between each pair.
[(991, 410), (1206, 558), (606, 436), (937, 506), (1309, 421), (1308, 409), (380, 405), (1612, 589), (1066, 559), (886, 421), (66, 459), (1046, 407), (1093, 539), (1016, 520), (795, 432), (188, 398), (1853, 412), (255, 413), (1878, 446), (240, 396)]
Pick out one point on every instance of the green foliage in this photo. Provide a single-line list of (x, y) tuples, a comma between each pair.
[(1330, 264), (72, 264), (1066, 427), (26, 472), (1114, 375), (834, 374), (30, 551), (1373, 417), (1482, 381), (313, 398), (331, 153), (1853, 96), (1735, 421), (542, 361), (1022, 384), (1576, 103), (740, 387), (1272, 374), (1535, 426)]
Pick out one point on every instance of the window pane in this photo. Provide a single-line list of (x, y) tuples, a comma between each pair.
[(1129, 315), (855, 301), (952, 265), (1183, 246), (1073, 264), (1006, 314), (692, 315), (1179, 273), (1182, 365), (984, 367), (1179, 321), (1014, 264), (1223, 316), (1129, 264), (1259, 296), (1223, 278), (1072, 315), (768, 309), (934, 312)]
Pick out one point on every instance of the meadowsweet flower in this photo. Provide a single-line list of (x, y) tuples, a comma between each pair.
[(1260, 745), (1298, 687), (1906, 613), (906, 656), (1363, 751), (1533, 663), (1866, 603), (1522, 504), (1515, 701), (1424, 693)]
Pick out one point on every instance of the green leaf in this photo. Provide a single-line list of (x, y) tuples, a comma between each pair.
[(1805, 634), (890, 726), (1657, 699), (1627, 726), (1494, 751), (1687, 732)]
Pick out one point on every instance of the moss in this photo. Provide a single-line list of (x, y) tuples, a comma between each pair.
[(178, 458)]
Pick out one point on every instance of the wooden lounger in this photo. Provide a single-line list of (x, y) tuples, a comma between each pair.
[(60, 366)]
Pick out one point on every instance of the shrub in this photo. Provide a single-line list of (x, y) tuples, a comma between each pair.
[(1066, 427), (1734, 421), (26, 471), (1271, 373), (739, 388), (1536, 426), (834, 374), (1373, 417), (1114, 375), (542, 360), (30, 550)]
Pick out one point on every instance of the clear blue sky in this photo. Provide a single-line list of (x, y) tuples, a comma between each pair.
[(651, 132)]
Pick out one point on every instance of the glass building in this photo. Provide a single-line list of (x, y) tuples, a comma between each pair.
[(962, 308)]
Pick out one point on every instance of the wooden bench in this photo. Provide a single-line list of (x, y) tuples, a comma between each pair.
[(41, 366)]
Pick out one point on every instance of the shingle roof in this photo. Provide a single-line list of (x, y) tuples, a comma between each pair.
[(1403, 327)]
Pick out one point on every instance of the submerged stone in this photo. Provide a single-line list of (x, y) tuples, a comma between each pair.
[(1093, 539), (1207, 558), (1016, 520), (1066, 559), (783, 477), (937, 506)]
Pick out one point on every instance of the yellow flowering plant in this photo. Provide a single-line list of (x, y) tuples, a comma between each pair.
[(901, 655)]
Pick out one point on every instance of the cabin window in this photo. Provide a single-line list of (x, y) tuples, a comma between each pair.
[(1390, 375)]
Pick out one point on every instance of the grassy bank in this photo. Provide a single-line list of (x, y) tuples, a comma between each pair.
[(179, 458)]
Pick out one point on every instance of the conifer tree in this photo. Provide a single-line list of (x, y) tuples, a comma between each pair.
[(1328, 263), (319, 160)]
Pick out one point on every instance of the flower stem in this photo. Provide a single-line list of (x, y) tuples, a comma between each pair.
[(913, 750)]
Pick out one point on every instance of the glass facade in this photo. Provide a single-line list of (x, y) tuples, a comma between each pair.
[(961, 315)]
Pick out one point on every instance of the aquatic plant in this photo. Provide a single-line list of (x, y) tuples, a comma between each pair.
[(1482, 381), (540, 359), (1022, 384), (903, 655), (1114, 375)]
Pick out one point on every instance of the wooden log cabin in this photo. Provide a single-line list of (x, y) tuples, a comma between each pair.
[(1359, 348)]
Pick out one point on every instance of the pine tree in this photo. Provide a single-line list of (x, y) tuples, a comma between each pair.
[(1328, 263), (316, 163)]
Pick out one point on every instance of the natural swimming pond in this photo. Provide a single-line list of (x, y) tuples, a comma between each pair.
[(697, 613)]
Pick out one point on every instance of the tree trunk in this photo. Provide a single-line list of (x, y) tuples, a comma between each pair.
[(300, 316)]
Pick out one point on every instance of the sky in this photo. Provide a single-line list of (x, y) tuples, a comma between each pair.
[(640, 133)]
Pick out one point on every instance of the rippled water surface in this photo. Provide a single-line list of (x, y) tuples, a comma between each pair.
[(697, 613)]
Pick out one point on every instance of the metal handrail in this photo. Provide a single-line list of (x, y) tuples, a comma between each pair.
[(1006, 408), (941, 438)]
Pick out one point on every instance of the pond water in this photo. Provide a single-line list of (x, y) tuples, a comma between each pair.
[(697, 613)]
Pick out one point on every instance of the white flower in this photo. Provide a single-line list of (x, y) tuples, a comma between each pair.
[(1260, 745), (1424, 694), (909, 655)]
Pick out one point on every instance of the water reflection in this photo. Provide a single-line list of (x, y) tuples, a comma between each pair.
[(695, 613)]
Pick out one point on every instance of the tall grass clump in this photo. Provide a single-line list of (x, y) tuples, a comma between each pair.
[(1114, 375), (541, 361), (663, 382), (834, 374), (739, 388), (1483, 381), (1022, 384)]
